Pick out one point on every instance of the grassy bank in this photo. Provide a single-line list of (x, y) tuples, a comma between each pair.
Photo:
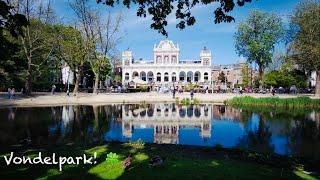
[(299, 102), (180, 162)]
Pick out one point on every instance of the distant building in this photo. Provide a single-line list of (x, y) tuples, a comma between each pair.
[(313, 79), (166, 67), (232, 72), (67, 74)]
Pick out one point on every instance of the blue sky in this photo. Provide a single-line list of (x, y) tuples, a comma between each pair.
[(140, 38)]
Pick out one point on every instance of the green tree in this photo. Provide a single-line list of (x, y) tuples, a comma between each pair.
[(222, 77), (161, 9), (73, 50), (36, 38), (256, 38), (305, 45), (246, 76)]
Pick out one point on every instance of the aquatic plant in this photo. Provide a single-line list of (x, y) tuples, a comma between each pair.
[(298, 102)]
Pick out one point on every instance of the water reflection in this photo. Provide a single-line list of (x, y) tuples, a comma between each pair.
[(164, 121), (266, 130)]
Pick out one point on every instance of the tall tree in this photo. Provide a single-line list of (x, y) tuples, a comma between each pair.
[(256, 38), (72, 49), (108, 36), (36, 40), (161, 9), (86, 26), (103, 34), (305, 45)]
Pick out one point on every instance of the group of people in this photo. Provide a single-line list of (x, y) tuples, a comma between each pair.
[(11, 93), (174, 90)]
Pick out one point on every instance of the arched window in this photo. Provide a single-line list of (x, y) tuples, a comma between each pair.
[(174, 77), (143, 76), (135, 74), (189, 76), (150, 76), (166, 77), (126, 76), (197, 76), (206, 76), (173, 59), (166, 59), (182, 76), (158, 77), (159, 60)]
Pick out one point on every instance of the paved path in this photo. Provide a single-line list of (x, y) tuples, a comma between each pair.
[(46, 99)]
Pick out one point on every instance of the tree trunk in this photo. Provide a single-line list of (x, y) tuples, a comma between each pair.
[(96, 84), (260, 77), (28, 82), (78, 78), (317, 90)]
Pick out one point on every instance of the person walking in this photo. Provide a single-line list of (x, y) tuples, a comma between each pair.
[(9, 93), (273, 91), (13, 91), (53, 89)]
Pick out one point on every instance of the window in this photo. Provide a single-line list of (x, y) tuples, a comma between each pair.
[(196, 76), (182, 76), (166, 59), (166, 77), (143, 76), (173, 77), (159, 77), (206, 76), (158, 60), (126, 76), (173, 59), (206, 61)]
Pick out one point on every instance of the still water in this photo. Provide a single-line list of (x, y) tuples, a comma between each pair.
[(286, 132)]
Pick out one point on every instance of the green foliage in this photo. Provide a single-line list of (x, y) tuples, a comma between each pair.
[(9, 21), (117, 78), (161, 10), (222, 77), (246, 76), (187, 101), (190, 87), (299, 102), (305, 39), (257, 36), (112, 158), (285, 78), (305, 44)]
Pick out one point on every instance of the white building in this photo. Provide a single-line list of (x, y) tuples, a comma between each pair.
[(166, 66)]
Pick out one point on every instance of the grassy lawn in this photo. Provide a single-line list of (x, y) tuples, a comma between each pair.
[(298, 102), (180, 162)]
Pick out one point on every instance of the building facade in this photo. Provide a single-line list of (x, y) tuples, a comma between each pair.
[(233, 73), (166, 67)]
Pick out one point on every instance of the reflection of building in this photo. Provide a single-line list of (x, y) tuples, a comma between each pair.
[(166, 66), (67, 114), (166, 121), (226, 112)]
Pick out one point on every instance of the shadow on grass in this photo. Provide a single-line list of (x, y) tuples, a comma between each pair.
[(180, 162)]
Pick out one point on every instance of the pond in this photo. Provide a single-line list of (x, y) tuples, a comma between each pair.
[(286, 132)]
